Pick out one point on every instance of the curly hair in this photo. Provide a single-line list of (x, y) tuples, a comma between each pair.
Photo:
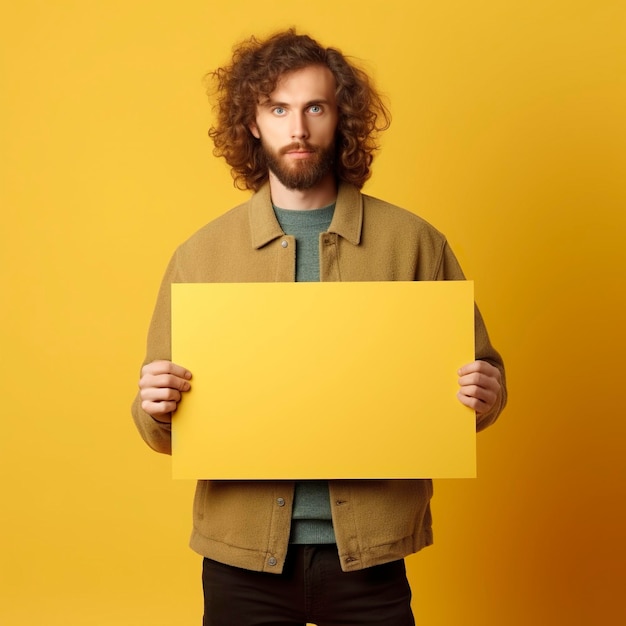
[(251, 77)]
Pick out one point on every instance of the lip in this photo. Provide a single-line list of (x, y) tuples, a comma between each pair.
[(300, 154)]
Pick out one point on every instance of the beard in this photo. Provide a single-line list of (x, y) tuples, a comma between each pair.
[(304, 174)]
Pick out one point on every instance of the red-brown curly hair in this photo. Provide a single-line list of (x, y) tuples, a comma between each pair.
[(252, 76)]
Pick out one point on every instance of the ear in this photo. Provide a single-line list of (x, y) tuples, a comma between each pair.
[(254, 129)]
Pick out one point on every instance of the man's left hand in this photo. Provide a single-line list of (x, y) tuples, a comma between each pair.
[(480, 386)]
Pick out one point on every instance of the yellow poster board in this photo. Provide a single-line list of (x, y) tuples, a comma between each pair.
[(323, 380)]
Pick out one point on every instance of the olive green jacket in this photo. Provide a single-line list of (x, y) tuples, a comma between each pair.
[(247, 524)]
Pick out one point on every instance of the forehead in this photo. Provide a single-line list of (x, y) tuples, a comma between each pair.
[(314, 82)]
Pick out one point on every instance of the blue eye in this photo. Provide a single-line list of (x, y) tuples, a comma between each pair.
[(279, 111), (315, 108)]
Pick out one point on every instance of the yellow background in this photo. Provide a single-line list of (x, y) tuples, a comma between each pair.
[(508, 135)]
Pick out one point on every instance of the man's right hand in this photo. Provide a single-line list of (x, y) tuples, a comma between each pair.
[(161, 386)]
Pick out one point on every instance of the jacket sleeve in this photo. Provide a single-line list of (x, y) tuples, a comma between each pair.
[(158, 435), (450, 269)]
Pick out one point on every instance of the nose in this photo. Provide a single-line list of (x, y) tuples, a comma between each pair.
[(299, 128)]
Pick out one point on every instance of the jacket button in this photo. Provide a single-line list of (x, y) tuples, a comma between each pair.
[(272, 561), (280, 501), (284, 243)]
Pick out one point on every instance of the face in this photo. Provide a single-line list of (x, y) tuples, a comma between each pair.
[(297, 125)]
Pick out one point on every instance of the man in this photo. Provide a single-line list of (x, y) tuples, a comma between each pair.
[(297, 124)]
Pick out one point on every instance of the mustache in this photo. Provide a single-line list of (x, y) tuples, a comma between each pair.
[(298, 145)]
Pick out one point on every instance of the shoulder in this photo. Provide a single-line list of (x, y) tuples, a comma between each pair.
[(225, 224), (381, 214), (233, 224)]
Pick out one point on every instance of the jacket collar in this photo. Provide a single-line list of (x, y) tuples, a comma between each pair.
[(347, 219)]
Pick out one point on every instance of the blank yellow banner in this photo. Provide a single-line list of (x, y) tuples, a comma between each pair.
[(323, 380)]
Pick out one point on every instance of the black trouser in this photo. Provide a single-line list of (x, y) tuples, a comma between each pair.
[(312, 588)]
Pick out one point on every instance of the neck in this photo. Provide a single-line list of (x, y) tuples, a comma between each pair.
[(321, 195)]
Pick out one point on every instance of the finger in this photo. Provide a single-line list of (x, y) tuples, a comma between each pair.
[(479, 380), (480, 399), (166, 381), (159, 410), (165, 367), (479, 366), (160, 394), (477, 405), (472, 403), (479, 393)]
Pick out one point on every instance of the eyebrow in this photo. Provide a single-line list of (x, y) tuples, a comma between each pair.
[(285, 105)]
